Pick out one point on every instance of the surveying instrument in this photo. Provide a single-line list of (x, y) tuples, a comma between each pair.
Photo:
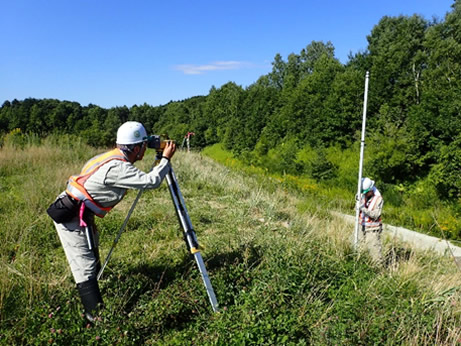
[(157, 143)]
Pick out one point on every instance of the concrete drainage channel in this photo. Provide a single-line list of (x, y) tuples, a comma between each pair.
[(415, 239)]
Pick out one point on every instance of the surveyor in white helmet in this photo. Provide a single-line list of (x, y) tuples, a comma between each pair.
[(371, 206), (101, 184)]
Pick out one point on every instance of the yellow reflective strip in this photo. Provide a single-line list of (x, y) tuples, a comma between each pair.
[(93, 163), (194, 250)]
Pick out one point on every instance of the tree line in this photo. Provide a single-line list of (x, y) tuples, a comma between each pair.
[(308, 102)]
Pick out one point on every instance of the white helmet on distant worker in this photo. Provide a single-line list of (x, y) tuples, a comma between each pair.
[(131, 132), (367, 184)]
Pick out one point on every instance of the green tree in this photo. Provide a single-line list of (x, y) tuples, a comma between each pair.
[(396, 51), (37, 120), (435, 123), (312, 53), (446, 174), (5, 116), (92, 126), (303, 116), (277, 76), (389, 155), (175, 121), (115, 117), (343, 108), (221, 106)]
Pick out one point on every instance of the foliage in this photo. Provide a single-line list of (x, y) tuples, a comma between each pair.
[(445, 175)]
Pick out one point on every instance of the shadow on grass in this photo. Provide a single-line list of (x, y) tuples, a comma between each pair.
[(249, 254), (396, 255), (142, 278), (226, 270)]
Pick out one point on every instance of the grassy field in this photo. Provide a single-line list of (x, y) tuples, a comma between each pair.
[(282, 273), (414, 206)]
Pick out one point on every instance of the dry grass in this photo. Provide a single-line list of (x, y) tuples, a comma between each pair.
[(237, 212)]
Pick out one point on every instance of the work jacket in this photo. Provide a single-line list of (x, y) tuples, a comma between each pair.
[(370, 211), (76, 183), (105, 179)]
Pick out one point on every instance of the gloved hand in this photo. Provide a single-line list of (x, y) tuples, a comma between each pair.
[(357, 197)]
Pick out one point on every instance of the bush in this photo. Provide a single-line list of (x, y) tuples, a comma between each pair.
[(388, 156), (15, 138), (446, 174)]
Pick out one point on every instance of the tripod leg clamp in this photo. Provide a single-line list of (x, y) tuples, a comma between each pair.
[(191, 241)]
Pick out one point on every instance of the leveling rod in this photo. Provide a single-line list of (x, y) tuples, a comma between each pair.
[(362, 146)]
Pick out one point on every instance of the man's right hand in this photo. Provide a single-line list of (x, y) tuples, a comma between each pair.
[(170, 148)]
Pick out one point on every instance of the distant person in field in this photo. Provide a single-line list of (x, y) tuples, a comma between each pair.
[(102, 184), (371, 206)]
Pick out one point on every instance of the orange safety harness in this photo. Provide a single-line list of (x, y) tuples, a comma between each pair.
[(75, 185)]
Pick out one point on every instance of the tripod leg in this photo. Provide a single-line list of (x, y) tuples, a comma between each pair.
[(119, 234), (189, 234)]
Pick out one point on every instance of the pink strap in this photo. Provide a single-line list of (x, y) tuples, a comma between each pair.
[(82, 209)]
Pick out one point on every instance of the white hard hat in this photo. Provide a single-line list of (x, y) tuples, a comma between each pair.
[(367, 184), (131, 132)]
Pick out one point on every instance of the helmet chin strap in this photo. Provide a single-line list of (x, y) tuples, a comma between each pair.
[(138, 157)]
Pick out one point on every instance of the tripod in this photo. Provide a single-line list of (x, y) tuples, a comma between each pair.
[(186, 225)]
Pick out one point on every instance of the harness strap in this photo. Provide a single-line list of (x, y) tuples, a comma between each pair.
[(82, 210)]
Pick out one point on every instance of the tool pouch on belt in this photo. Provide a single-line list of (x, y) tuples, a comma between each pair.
[(63, 209)]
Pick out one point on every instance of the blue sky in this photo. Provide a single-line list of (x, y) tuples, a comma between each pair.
[(114, 53)]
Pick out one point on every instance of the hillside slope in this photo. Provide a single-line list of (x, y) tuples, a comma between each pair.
[(280, 276)]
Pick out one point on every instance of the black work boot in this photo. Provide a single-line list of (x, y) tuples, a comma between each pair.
[(91, 297)]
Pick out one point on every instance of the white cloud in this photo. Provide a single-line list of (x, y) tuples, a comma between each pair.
[(215, 66)]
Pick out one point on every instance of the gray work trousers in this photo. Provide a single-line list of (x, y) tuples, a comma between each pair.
[(370, 239), (83, 261)]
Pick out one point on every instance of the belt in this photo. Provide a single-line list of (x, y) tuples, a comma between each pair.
[(69, 202)]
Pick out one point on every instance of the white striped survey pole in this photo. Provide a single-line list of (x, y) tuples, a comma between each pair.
[(362, 146)]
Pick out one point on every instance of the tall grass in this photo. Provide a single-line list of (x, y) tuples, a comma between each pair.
[(31, 176), (282, 274), (415, 206)]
